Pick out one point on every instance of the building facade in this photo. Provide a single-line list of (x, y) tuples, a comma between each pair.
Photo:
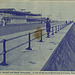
[(11, 17)]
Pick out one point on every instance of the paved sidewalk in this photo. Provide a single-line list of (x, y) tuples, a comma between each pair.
[(35, 59)]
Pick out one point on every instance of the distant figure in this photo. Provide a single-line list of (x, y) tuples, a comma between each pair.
[(4, 21), (66, 22), (48, 27)]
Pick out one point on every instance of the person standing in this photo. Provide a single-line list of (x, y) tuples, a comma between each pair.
[(3, 22), (48, 27)]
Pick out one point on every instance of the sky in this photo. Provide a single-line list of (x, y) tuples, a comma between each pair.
[(57, 10)]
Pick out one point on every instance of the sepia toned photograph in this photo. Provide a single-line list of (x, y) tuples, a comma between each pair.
[(37, 36)]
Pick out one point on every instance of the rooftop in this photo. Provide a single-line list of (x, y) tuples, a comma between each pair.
[(18, 13)]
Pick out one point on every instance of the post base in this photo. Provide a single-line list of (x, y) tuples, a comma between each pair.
[(47, 37), (40, 41), (28, 48), (55, 32), (3, 64), (52, 34)]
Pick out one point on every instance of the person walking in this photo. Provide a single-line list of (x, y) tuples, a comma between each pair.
[(48, 27)]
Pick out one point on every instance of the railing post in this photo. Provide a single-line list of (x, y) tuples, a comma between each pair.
[(41, 36), (4, 54), (29, 47), (58, 28), (55, 29), (52, 31)]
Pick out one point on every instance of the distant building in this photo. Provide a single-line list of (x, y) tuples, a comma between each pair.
[(11, 16)]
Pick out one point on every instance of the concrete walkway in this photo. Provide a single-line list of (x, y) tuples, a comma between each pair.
[(35, 59)]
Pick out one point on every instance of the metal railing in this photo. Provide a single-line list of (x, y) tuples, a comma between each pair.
[(54, 30)]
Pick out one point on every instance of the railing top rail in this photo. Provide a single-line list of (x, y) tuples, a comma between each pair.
[(20, 36), (23, 35)]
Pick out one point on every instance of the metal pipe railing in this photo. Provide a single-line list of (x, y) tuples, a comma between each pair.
[(57, 28)]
